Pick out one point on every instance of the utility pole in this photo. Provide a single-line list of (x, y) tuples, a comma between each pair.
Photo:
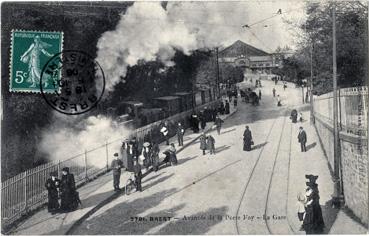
[(216, 50), (312, 117), (338, 188)]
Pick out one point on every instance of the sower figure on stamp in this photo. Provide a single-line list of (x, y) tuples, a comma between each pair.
[(116, 165), (180, 133), (52, 185), (302, 139), (32, 58)]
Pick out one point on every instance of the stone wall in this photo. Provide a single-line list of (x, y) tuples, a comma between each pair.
[(353, 140)]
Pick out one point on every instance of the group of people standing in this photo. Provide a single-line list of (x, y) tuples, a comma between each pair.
[(309, 211), (65, 188), (207, 142)]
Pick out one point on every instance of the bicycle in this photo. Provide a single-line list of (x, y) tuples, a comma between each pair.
[(130, 184)]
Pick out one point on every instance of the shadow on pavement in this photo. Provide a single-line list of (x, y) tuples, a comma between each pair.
[(259, 146), (329, 215), (183, 160), (120, 219), (310, 146), (162, 179), (228, 131), (221, 148)]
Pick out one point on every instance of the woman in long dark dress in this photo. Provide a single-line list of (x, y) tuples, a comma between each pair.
[(68, 191), (247, 139), (227, 107), (52, 186), (173, 155), (313, 221)]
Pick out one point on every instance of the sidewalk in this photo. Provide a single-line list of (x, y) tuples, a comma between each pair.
[(93, 195), (314, 162)]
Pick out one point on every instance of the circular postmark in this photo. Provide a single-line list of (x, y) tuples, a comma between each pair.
[(72, 82)]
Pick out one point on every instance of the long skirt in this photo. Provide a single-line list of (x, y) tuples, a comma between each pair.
[(247, 146), (53, 203)]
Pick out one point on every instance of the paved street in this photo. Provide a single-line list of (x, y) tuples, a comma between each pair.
[(232, 192)]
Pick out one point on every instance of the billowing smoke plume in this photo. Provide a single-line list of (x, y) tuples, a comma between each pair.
[(61, 141), (148, 31)]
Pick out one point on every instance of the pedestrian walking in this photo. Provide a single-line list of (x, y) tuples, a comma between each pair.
[(68, 195), (155, 156), (211, 144), (173, 155), (313, 222), (138, 176), (301, 200), (247, 139), (274, 92), (235, 101), (284, 85), (221, 108), (52, 185), (302, 138), (279, 103), (164, 131), (307, 97), (218, 123), (259, 94), (146, 155), (180, 133), (116, 166), (202, 120), (293, 116), (132, 153), (227, 107), (203, 143), (195, 123)]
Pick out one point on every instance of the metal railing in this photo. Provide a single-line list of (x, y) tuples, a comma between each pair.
[(26, 191)]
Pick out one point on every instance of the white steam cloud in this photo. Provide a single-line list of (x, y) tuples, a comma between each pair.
[(149, 32), (61, 142)]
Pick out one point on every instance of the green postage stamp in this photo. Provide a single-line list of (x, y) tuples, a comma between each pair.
[(30, 51)]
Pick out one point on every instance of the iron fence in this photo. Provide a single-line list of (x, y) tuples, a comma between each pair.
[(26, 191)]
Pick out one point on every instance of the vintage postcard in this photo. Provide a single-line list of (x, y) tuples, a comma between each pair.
[(184, 117)]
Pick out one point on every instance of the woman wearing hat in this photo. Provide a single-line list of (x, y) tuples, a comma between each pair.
[(313, 221), (52, 186), (247, 139), (68, 191)]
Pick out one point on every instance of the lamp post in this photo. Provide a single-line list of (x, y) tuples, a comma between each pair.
[(337, 198)]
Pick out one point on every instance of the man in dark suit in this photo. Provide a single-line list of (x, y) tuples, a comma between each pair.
[(302, 139), (138, 176), (116, 165)]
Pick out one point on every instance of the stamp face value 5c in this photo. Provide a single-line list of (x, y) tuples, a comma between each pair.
[(30, 51)]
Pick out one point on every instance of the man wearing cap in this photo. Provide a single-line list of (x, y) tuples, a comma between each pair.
[(116, 165), (302, 139)]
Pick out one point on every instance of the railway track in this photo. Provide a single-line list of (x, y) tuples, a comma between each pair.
[(270, 179)]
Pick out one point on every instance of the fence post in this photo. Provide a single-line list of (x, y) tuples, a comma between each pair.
[(86, 176), (25, 190), (58, 169), (107, 156)]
